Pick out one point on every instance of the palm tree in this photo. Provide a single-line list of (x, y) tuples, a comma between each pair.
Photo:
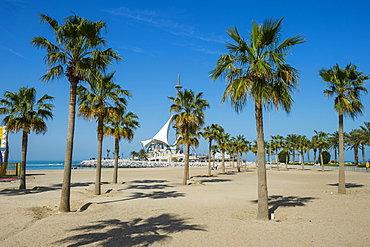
[(101, 100), (354, 141), (287, 147), (365, 130), (120, 127), (321, 141), (293, 140), (189, 118), (239, 142), (276, 145), (142, 154), (346, 85), (303, 145), (222, 143), (134, 154), (256, 67), (334, 144), (75, 54), (26, 113), (211, 132), (246, 149)]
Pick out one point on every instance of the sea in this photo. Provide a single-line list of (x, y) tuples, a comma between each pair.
[(47, 164)]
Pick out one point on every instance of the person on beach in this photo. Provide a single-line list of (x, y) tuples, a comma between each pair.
[(367, 166)]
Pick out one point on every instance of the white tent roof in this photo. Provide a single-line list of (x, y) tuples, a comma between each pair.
[(161, 137)]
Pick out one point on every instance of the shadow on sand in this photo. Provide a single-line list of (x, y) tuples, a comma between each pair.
[(277, 201), (38, 189), (152, 195), (349, 185), (137, 232)]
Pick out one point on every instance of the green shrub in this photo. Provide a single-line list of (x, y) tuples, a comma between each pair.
[(325, 157), (282, 157)]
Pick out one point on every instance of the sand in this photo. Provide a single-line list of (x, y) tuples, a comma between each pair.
[(149, 207)]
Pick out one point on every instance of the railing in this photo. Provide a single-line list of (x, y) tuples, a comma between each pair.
[(10, 169)]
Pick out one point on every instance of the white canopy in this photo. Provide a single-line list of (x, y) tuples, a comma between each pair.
[(161, 137)]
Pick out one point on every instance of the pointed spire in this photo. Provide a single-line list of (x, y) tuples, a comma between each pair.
[(178, 86)]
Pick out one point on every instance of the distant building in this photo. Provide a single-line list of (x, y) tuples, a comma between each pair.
[(158, 148)]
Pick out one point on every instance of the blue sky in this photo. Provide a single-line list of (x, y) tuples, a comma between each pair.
[(159, 39)]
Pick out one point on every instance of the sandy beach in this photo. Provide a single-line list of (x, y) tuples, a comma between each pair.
[(149, 207)]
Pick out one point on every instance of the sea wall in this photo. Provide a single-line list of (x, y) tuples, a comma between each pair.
[(109, 163)]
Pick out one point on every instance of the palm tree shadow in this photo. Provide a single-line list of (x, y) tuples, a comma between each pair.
[(349, 185), (277, 201), (151, 195), (137, 232)]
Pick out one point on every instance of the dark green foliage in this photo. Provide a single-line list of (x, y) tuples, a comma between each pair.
[(282, 156), (325, 157)]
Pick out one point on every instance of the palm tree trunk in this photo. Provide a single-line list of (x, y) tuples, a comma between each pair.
[(341, 182), (223, 162), (22, 182), (302, 161), (238, 161), (186, 165), (321, 160), (64, 205), (116, 151), (363, 153), (6, 153), (261, 170), (97, 190), (308, 156), (209, 157)]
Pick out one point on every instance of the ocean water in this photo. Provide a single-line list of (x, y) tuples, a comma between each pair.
[(46, 164)]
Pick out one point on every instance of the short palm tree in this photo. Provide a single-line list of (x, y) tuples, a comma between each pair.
[(365, 136), (120, 127), (256, 67), (188, 118), (353, 140), (76, 52), (292, 139), (346, 86), (101, 100), (211, 132), (25, 112), (222, 144), (321, 142), (276, 145), (303, 146), (334, 144)]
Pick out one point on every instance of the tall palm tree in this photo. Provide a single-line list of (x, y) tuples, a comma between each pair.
[(211, 132), (189, 118), (256, 67), (76, 52), (346, 86), (101, 100), (25, 112), (120, 127), (222, 143)]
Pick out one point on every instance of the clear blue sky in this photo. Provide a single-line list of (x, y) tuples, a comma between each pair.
[(159, 39)]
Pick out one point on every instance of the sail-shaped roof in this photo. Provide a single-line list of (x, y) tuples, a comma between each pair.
[(161, 137)]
